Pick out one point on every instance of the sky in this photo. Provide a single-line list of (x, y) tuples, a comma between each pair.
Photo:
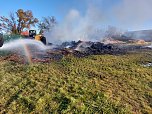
[(124, 14)]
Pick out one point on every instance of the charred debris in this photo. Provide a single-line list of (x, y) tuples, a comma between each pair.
[(77, 49)]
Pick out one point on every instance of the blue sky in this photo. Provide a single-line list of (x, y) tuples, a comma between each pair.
[(126, 14), (40, 8)]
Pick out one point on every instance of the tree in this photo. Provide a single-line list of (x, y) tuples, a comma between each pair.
[(16, 24), (8, 25), (47, 23), (25, 19)]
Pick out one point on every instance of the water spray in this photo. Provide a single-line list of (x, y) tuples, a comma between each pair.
[(24, 47)]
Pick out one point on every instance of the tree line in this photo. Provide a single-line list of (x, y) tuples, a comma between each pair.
[(17, 22)]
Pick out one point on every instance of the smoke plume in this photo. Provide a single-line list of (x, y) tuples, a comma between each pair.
[(125, 14), (133, 14), (78, 27)]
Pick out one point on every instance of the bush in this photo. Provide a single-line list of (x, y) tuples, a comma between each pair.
[(8, 38)]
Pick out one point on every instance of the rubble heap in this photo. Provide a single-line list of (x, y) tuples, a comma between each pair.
[(78, 49)]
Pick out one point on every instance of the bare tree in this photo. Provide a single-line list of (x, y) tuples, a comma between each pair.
[(7, 24), (47, 23), (16, 24)]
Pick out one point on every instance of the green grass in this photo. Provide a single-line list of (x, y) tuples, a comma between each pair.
[(95, 84)]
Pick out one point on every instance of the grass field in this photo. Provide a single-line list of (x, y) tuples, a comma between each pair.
[(106, 84)]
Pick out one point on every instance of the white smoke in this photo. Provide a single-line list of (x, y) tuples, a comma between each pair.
[(133, 14), (125, 14), (78, 27)]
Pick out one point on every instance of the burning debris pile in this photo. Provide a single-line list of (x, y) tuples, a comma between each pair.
[(97, 48), (33, 52), (85, 48), (82, 48)]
